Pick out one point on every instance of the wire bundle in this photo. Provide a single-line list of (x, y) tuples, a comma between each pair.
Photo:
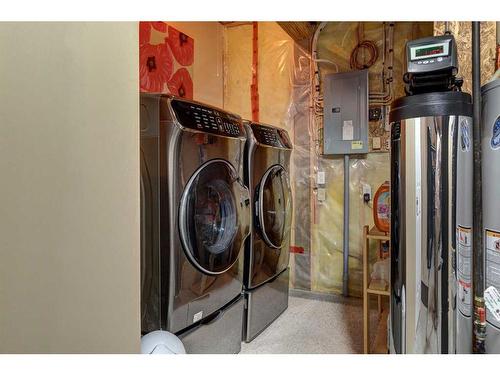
[(372, 50)]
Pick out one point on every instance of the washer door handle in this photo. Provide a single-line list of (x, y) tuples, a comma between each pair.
[(244, 209)]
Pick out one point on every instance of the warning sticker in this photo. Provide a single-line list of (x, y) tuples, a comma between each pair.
[(347, 131), (356, 145), (197, 316), (495, 135), (492, 244), (464, 270), (465, 136), (492, 302)]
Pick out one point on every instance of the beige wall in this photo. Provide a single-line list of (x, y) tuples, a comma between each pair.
[(69, 196), (208, 63)]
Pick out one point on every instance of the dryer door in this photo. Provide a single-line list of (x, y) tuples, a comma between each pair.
[(214, 217), (274, 206)]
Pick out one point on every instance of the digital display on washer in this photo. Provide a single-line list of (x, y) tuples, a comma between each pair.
[(430, 50), (203, 118), (270, 136)]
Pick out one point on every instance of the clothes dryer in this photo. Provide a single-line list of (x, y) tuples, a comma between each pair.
[(267, 168)]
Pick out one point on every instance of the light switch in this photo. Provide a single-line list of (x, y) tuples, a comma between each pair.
[(320, 178), (376, 144)]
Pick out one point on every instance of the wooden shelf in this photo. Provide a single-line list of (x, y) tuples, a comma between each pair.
[(381, 337), (378, 292), (380, 344), (375, 234)]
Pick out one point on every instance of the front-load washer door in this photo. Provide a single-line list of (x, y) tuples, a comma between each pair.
[(274, 205), (273, 211), (214, 217)]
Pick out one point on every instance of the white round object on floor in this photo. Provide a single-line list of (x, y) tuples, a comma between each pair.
[(161, 342)]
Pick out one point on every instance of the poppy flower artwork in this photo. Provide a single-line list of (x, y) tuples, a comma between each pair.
[(181, 84), (166, 60), (155, 67), (182, 46), (145, 30)]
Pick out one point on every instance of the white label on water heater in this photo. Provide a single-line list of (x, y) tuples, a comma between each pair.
[(492, 302), (464, 270), (492, 244), (197, 316)]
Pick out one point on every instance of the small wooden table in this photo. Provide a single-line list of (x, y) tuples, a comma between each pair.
[(381, 338)]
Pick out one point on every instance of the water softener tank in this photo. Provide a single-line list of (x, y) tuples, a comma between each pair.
[(490, 123), (431, 223)]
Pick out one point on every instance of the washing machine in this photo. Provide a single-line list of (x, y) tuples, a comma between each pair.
[(266, 275), (195, 217)]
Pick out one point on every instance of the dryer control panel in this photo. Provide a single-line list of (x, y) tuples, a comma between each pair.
[(207, 119), (271, 136)]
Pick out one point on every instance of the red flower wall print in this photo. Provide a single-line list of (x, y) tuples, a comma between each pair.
[(155, 67), (163, 51), (182, 46), (181, 84), (145, 30)]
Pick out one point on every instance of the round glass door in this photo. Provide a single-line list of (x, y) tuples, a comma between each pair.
[(274, 206), (209, 217)]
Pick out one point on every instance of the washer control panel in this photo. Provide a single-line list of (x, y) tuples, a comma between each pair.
[(271, 136), (207, 119)]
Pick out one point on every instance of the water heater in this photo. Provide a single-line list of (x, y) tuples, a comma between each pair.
[(490, 123), (431, 223)]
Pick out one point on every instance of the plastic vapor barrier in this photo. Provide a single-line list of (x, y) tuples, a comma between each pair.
[(284, 72)]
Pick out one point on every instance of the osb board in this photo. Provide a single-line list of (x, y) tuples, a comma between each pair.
[(462, 31)]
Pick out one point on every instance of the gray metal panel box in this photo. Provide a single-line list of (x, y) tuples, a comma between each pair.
[(345, 113)]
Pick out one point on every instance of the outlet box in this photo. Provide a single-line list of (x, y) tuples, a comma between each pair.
[(376, 143), (388, 144), (374, 113), (321, 194), (367, 193), (320, 178)]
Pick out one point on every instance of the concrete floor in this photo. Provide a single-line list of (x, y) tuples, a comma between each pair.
[(314, 325)]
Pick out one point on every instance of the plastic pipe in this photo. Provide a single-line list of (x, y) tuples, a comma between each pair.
[(345, 277)]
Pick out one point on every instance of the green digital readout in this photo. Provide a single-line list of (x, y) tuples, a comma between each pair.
[(429, 51)]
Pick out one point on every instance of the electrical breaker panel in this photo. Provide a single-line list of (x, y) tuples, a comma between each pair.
[(345, 113)]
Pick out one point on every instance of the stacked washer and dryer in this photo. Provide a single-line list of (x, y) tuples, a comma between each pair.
[(196, 222)]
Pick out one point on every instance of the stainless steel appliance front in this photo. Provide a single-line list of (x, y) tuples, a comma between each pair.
[(431, 198), (490, 123), (267, 249), (195, 209)]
